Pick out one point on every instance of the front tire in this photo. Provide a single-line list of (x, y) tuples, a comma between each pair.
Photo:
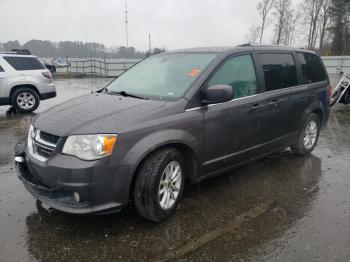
[(159, 184), (308, 136), (25, 100)]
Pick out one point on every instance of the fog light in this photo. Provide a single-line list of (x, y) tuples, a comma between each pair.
[(76, 197)]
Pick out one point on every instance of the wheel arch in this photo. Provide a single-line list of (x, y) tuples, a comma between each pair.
[(31, 86), (190, 156), (315, 108)]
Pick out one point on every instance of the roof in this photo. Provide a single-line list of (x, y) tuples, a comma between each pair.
[(14, 54), (239, 48)]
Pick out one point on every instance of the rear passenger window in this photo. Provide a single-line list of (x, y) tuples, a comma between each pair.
[(238, 72), (312, 68), (1, 69), (24, 63), (279, 71)]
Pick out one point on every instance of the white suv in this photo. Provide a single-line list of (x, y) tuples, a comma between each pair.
[(24, 81)]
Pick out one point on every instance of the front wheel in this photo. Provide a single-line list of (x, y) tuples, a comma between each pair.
[(25, 100), (335, 97), (159, 184), (308, 136)]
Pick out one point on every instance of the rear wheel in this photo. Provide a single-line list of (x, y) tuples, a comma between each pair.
[(25, 99), (308, 136), (159, 184)]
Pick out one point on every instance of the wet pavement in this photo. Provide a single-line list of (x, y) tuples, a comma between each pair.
[(280, 208)]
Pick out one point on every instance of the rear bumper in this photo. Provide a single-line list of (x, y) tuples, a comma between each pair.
[(48, 95), (4, 101), (100, 189)]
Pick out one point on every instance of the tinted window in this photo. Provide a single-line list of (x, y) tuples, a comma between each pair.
[(312, 68), (24, 63), (1, 69), (279, 70), (239, 73)]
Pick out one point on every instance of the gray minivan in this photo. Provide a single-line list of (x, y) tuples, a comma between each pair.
[(174, 117)]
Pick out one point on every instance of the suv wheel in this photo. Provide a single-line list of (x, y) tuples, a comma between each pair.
[(159, 184), (308, 136), (25, 100)]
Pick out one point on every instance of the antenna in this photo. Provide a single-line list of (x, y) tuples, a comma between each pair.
[(126, 23), (149, 44)]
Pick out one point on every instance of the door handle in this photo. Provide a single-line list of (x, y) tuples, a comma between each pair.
[(276, 102), (256, 107), (273, 103)]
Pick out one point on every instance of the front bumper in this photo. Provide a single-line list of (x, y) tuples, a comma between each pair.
[(102, 188)]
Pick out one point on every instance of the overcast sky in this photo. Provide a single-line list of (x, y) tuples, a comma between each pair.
[(173, 24)]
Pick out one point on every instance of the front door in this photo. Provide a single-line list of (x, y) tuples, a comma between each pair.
[(233, 128)]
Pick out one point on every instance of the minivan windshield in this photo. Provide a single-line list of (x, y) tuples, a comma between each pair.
[(164, 76)]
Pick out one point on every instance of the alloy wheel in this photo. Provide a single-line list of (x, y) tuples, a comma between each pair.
[(170, 184), (25, 100), (310, 134)]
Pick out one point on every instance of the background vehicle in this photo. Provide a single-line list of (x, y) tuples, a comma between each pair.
[(60, 62), (48, 64), (24, 81), (177, 116), (341, 93)]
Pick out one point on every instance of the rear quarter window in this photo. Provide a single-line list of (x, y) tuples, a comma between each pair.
[(312, 68), (24, 63), (1, 69), (279, 71)]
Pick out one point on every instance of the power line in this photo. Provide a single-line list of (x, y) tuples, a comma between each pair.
[(126, 23)]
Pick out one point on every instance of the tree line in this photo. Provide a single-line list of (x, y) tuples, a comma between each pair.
[(321, 25), (76, 49)]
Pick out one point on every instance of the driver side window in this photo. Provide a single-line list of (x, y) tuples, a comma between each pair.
[(239, 73)]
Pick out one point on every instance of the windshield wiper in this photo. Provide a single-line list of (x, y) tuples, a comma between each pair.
[(124, 93)]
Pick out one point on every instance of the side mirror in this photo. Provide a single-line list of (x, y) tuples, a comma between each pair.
[(217, 94)]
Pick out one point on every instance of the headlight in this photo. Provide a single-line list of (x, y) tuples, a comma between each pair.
[(90, 147)]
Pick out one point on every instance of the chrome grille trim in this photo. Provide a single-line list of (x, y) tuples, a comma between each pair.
[(38, 142), (43, 142)]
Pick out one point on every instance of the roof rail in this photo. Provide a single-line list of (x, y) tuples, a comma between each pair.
[(246, 44), (262, 45), (21, 51)]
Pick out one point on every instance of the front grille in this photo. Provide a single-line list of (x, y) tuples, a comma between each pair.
[(49, 138), (43, 145), (43, 151)]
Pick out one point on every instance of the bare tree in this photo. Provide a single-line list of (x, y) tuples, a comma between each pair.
[(253, 34), (324, 20), (282, 10), (264, 7), (292, 19), (312, 11)]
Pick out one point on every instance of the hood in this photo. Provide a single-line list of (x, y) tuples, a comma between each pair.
[(96, 113)]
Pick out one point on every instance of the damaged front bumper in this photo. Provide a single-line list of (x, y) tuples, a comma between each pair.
[(67, 194)]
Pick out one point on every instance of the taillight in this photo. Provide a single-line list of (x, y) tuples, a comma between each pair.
[(330, 91), (47, 74)]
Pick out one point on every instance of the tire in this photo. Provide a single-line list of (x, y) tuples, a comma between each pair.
[(25, 100), (152, 179), (302, 147)]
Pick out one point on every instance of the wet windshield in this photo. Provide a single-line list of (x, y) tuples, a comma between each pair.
[(163, 76)]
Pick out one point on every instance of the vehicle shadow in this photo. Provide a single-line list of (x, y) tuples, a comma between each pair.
[(288, 183)]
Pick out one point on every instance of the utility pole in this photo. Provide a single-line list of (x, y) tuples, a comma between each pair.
[(149, 44), (126, 23)]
